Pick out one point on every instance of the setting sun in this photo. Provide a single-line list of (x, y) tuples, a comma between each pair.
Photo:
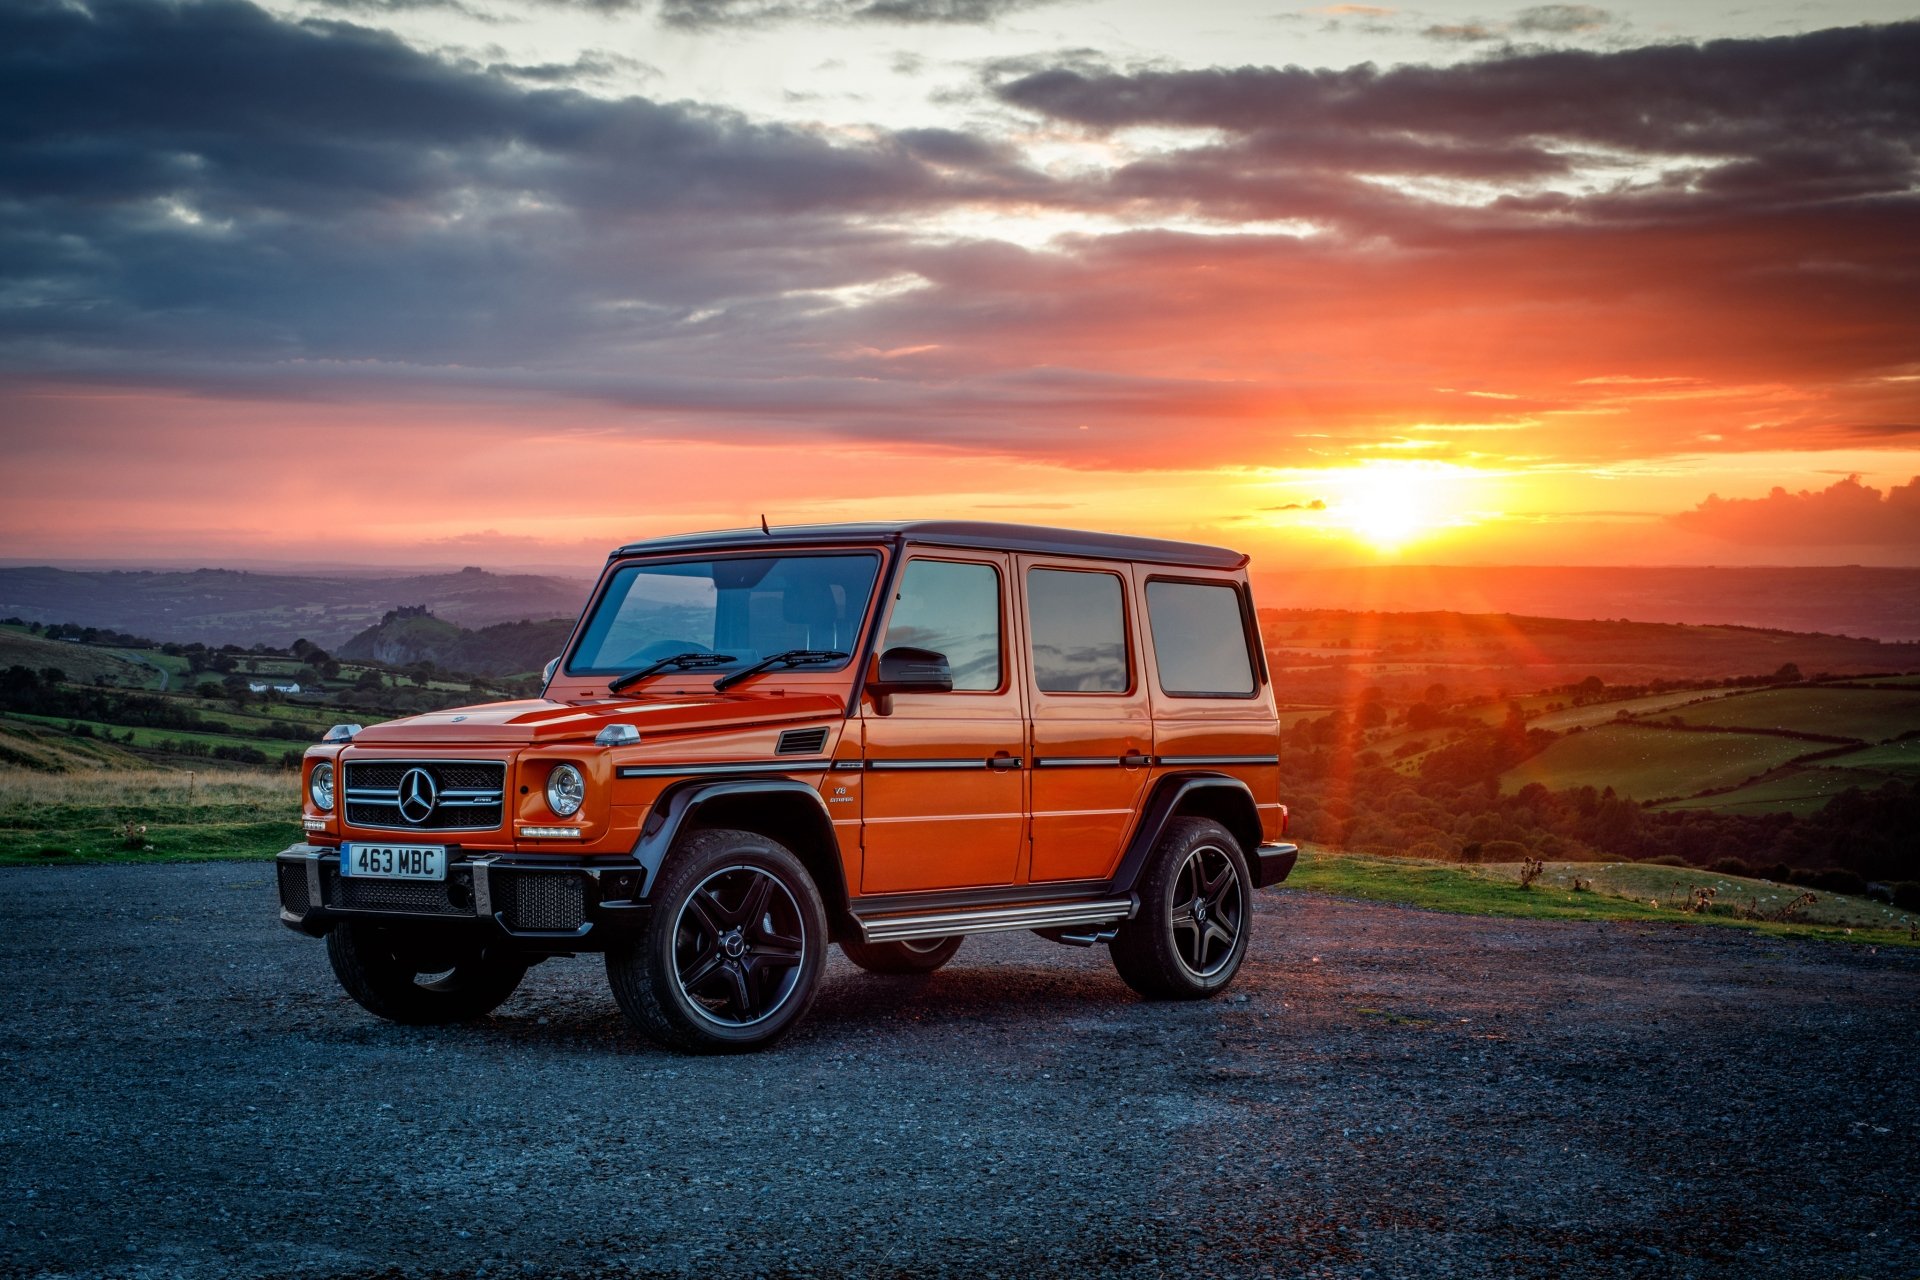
[(1390, 504)]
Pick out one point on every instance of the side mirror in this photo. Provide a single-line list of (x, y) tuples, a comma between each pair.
[(903, 669), (546, 672)]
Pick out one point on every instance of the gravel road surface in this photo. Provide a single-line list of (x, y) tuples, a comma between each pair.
[(1388, 1092)]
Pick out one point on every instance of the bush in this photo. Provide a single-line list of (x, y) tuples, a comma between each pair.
[(1504, 851), (1830, 879), (1906, 894), (1731, 867), (1666, 860)]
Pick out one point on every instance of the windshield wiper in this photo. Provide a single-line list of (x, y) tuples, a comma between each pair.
[(678, 662), (791, 658)]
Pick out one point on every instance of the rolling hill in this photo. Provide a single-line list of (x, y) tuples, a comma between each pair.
[(223, 606)]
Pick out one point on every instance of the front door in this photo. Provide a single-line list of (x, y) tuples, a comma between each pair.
[(945, 786), (1092, 722)]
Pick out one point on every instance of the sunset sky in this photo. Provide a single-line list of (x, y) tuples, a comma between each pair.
[(504, 282)]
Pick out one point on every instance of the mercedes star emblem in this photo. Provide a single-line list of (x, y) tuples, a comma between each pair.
[(418, 795)]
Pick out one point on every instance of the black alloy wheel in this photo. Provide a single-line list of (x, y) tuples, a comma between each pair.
[(921, 955), (732, 952), (1196, 914)]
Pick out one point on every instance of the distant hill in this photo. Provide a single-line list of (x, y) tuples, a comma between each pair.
[(224, 606), (1328, 655), (1839, 600), (404, 637)]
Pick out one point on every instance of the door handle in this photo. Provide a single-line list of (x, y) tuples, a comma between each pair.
[(1135, 759), (1003, 762)]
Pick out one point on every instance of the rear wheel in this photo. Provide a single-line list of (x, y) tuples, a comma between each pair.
[(1196, 909), (416, 982), (921, 956), (732, 954)]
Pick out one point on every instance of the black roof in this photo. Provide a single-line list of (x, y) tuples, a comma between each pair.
[(956, 533)]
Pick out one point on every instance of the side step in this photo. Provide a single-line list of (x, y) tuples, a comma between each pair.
[(945, 924)]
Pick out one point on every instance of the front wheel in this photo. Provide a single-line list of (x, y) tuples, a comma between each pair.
[(1196, 911), (921, 956), (732, 953), (420, 983)]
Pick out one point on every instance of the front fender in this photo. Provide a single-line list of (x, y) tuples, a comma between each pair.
[(680, 805)]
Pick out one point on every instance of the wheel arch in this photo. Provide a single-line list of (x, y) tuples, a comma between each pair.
[(782, 809), (1219, 796)]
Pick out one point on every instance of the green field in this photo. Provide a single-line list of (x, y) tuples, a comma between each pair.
[(1646, 762), (150, 738), (1620, 891), (144, 815), (1797, 791), (1598, 713), (83, 664), (1869, 715)]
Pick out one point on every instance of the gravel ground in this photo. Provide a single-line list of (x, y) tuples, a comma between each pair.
[(1388, 1092)]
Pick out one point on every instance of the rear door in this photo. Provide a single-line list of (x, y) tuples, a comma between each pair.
[(945, 787), (1092, 734)]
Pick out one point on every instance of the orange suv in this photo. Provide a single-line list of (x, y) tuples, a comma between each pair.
[(758, 743)]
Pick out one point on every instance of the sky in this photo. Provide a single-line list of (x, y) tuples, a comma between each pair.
[(507, 282)]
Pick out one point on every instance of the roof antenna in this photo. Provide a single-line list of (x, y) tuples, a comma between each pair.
[(763, 525)]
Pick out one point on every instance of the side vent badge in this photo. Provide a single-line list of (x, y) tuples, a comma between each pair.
[(802, 742)]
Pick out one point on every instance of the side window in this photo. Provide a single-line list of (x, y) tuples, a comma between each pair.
[(1199, 638), (1079, 629), (952, 609)]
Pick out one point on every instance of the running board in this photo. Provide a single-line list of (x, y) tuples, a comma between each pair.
[(945, 924)]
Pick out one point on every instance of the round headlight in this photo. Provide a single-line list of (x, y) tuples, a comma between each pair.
[(566, 790), (320, 785)]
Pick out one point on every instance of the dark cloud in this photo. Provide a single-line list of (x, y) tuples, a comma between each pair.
[(708, 14), (197, 178), (1561, 19), (1846, 513), (1832, 112), (1318, 504)]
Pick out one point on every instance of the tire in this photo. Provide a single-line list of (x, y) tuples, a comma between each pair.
[(733, 949), (922, 956), (420, 985), (1196, 913)]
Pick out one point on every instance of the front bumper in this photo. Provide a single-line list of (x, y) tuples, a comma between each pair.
[(1273, 863), (538, 903)]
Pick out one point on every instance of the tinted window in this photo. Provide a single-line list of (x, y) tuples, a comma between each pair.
[(1199, 638), (746, 606), (1079, 631), (952, 609)]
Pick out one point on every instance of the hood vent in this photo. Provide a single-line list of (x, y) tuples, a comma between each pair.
[(802, 742)]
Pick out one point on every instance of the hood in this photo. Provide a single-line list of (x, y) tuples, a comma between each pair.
[(536, 721)]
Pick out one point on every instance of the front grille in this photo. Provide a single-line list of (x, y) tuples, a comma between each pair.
[(423, 897), (547, 900), (468, 795), (293, 887)]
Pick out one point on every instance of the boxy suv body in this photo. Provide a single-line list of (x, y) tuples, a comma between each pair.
[(757, 743)]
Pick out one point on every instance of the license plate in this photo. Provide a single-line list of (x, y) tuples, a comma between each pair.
[(394, 861)]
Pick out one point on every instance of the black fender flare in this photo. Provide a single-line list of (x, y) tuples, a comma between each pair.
[(680, 804), (1219, 796)]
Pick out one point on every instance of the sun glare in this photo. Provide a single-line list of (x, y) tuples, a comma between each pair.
[(1388, 505)]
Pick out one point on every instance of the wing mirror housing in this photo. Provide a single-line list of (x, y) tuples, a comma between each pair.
[(546, 672), (904, 669)]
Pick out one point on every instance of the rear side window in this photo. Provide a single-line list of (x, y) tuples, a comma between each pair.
[(1079, 629), (1199, 638), (953, 609)]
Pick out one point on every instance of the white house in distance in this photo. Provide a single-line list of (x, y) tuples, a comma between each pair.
[(261, 686)]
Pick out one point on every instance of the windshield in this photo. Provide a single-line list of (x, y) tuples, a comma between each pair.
[(748, 607)]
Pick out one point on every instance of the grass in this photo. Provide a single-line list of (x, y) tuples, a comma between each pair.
[(1622, 891), (1646, 762), (144, 736), (1597, 713), (83, 817), (1870, 715), (1798, 791)]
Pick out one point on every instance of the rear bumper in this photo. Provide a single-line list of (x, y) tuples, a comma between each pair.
[(537, 904), (1273, 863)]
